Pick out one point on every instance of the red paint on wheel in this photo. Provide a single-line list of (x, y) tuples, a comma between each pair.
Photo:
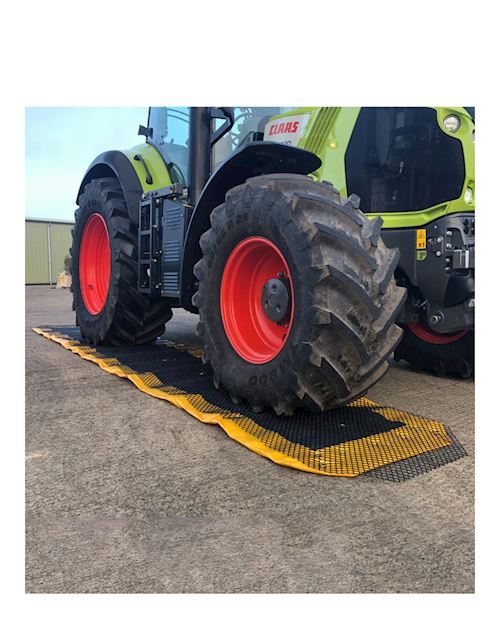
[(250, 265), (425, 333), (95, 264)]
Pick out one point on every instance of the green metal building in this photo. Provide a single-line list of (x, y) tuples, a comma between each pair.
[(47, 243)]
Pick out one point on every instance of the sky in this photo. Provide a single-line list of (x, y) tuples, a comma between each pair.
[(60, 145)]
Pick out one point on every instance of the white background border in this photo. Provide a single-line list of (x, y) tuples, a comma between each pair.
[(117, 53)]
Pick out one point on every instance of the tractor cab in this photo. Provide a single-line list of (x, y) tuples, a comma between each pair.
[(169, 131)]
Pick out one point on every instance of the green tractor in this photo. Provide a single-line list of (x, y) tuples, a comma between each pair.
[(251, 217)]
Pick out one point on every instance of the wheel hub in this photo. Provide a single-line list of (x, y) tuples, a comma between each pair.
[(276, 299)]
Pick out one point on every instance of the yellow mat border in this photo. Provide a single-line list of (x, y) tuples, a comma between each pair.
[(380, 446)]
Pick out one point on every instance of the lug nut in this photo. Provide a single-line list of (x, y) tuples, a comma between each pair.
[(435, 319), (439, 239), (471, 303), (449, 246), (438, 253)]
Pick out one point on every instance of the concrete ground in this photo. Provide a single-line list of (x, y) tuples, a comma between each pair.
[(127, 494)]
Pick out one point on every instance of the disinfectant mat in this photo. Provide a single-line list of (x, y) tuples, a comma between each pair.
[(360, 438)]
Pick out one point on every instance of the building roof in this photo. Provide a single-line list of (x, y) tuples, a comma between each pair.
[(49, 221)]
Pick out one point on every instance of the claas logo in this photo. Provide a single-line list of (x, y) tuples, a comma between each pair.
[(284, 128)]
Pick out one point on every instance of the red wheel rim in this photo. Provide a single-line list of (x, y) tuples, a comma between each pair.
[(250, 265), (95, 264), (425, 333)]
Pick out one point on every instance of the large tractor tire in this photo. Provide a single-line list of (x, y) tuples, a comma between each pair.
[(108, 307), (442, 354), (296, 296)]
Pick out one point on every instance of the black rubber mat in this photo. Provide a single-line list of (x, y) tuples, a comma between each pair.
[(360, 438), (416, 465)]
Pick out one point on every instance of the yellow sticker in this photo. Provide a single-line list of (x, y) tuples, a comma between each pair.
[(421, 239)]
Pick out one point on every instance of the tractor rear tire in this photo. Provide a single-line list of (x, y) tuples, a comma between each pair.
[(343, 297), (108, 307), (440, 354)]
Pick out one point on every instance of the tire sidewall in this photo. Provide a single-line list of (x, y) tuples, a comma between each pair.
[(247, 219), (91, 202)]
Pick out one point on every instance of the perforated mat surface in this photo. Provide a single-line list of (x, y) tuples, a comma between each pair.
[(360, 438)]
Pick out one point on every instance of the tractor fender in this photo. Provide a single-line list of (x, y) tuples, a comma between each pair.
[(138, 170), (249, 160), (115, 164)]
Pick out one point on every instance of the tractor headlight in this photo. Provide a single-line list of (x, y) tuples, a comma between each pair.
[(468, 195), (451, 123)]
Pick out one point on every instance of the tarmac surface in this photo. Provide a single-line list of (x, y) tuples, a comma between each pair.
[(126, 493)]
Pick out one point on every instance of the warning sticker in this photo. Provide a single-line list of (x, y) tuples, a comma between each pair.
[(421, 239)]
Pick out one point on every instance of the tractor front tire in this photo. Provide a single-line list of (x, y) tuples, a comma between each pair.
[(283, 241), (108, 307)]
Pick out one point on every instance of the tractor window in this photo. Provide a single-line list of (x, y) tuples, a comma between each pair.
[(247, 122), (398, 160), (170, 135)]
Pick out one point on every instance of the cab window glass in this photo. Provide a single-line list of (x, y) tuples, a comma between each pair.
[(170, 136)]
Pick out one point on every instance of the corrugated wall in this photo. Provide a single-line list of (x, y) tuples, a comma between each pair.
[(37, 269)]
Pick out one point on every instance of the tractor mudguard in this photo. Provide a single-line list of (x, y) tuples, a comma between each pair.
[(115, 164), (247, 161), (139, 170)]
